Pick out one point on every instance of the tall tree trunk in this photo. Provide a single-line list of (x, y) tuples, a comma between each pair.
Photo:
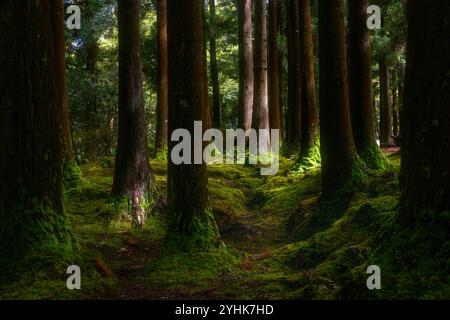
[(336, 140), (293, 114), (245, 64), (401, 95), (58, 25), (163, 89), (281, 54), (394, 94), (310, 114), (274, 78), (260, 119), (360, 86), (132, 176), (425, 173), (192, 225), (385, 104), (31, 132), (217, 115)]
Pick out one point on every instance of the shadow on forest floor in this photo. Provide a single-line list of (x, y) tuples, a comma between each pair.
[(277, 245)]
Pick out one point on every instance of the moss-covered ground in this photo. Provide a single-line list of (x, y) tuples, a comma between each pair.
[(281, 243)]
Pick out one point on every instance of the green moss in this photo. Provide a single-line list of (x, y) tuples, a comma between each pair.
[(201, 234), (311, 160), (375, 159), (72, 175)]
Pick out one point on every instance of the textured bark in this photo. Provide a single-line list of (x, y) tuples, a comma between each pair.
[(293, 114), (191, 225), (245, 64), (395, 106), (217, 115), (31, 131), (260, 119), (59, 41), (385, 105), (274, 78), (132, 176), (425, 173), (310, 114), (336, 141), (163, 89), (360, 85)]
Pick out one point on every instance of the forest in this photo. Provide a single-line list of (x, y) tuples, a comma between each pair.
[(224, 150)]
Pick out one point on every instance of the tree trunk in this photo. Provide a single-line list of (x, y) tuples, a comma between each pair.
[(58, 25), (293, 115), (192, 225), (336, 140), (394, 94), (260, 119), (163, 90), (132, 176), (310, 114), (385, 105), (274, 79), (245, 64), (213, 65), (425, 173), (31, 132), (360, 86)]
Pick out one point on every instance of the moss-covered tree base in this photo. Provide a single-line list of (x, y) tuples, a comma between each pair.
[(201, 234), (308, 160), (375, 159)]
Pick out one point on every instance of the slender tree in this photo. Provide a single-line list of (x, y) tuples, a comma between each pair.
[(336, 141), (360, 86), (385, 104), (213, 65), (132, 176), (293, 114), (163, 89), (274, 77), (32, 147), (245, 64), (310, 114), (425, 172), (260, 120), (192, 224)]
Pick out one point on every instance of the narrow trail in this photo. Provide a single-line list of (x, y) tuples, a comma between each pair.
[(253, 234)]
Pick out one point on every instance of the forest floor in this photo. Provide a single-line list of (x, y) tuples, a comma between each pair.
[(281, 242)]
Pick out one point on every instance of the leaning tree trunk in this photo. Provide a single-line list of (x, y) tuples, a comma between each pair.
[(425, 173), (163, 90), (293, 114), (217, 115), (274, 78), (260, 99), (336, 141), (385, 105), (132, 176), (192, 225), (360, 86), (245, 64), (310, 114), (31, 132)]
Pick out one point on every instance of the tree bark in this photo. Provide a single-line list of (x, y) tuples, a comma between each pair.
[(293, 115), (246, 75), (132, 176), (217, 115), (192, 225), (336, 140), (360, 86), (163, 90), (385, 105), (310, 114), (274, 78), (425, 172), (260, 119), (58, 25), (31, 132)]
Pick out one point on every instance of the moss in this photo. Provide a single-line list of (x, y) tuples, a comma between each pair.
[(375, 159), (201, 234), (72, 175), (308, 161), (161, 155)]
